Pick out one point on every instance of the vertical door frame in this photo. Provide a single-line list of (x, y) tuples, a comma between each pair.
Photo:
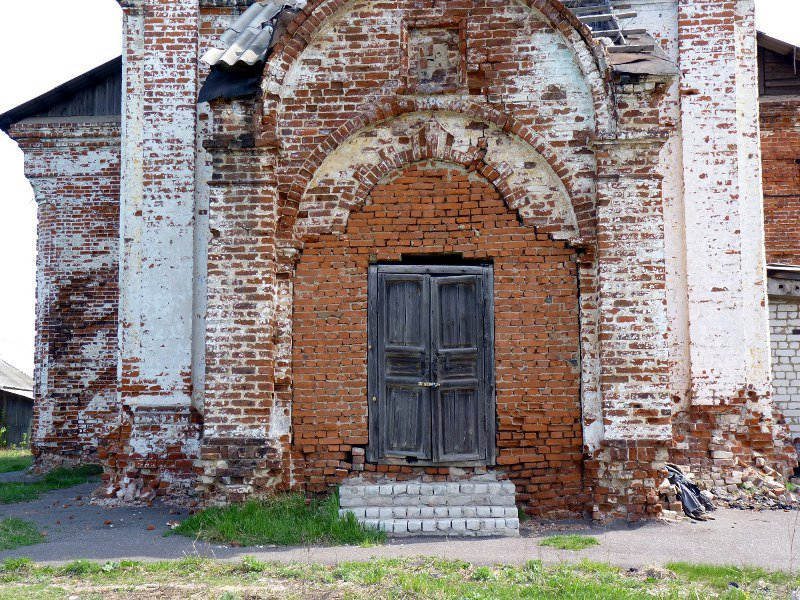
[(374, 311)]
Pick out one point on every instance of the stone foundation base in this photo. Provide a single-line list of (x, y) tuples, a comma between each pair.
[(625, 475), (151, 454), (45, 459), (481, 506), (236, 470)]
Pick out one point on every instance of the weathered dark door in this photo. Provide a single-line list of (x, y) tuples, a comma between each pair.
[(430, 364)]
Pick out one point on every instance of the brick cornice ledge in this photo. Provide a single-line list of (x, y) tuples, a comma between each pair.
[(138, 4), (653, 137), (60, 131)]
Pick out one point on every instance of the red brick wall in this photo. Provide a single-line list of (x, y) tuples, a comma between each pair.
[(432, 208), (780, 148), (75, 171)]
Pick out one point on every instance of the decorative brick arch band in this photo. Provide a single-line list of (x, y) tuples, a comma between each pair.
[(587, 52), (581, 198), (325, 204)]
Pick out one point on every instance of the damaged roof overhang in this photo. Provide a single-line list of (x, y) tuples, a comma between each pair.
[(642, 56), (629, 51), (237, 59)]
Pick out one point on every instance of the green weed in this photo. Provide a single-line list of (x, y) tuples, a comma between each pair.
[(81, 567), (721, 577), (54, 480), (17, 565), (421, 578), (15, 459), (16, 532), (569, 542), (284, 520)]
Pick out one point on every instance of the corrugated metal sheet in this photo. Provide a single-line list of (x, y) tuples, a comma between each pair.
[(248, 40), (15, 381)]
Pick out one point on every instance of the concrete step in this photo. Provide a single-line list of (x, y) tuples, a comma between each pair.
[(482, 506)]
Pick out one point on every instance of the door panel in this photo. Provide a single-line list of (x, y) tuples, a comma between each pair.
[(407, 421), (457, 311), (430, 365), (405, 429), (460, 424), (458, 349), (404, 324)]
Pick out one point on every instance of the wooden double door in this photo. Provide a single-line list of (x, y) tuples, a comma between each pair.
[(431, 365)]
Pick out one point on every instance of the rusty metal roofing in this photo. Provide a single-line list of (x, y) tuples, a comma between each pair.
[(250, 37), (14, 381)]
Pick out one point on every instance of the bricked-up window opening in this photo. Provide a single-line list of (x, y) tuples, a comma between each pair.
[(431, 365), (434, 56)]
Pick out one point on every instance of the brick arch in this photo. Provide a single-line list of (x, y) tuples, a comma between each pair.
[(582, 203), (425, 145), (585, 48)]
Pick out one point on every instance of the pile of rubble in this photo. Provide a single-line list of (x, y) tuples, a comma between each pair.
[(755, 487)]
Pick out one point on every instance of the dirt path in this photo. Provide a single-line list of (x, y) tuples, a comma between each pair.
[(78, 530)]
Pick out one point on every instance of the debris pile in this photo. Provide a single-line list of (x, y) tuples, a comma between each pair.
[(760, 489), (756, 487)]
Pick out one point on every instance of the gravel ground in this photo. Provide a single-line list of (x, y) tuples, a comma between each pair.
[(76, 529)]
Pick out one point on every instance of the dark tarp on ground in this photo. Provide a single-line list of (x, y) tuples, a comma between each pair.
[(695, 505)]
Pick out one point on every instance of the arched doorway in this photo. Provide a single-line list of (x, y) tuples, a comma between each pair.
[(415, 213)]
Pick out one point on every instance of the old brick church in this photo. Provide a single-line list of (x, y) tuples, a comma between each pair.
[(407, 243)]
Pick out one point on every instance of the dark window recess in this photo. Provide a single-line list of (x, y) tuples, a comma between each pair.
[(431, 365)]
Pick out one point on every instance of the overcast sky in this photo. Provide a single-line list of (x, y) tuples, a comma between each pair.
[(46, 42)]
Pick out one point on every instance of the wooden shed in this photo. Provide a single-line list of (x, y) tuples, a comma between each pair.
[(16, 405)]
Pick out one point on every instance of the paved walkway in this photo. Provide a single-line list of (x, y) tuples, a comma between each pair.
[(77, 530)]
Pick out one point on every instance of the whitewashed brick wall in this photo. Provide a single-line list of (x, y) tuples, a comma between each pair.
[(784, 319)]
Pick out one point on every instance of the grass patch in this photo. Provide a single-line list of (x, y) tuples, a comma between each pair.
[(16, 532), (15, 459), (721, 577), (419, 578), (17, 565), (569, 542), (54, 480), (285, 520)]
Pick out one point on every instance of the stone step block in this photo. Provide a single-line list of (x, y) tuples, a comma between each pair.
[(449, 527), (472, 507), (428, 495), (430, 512)]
